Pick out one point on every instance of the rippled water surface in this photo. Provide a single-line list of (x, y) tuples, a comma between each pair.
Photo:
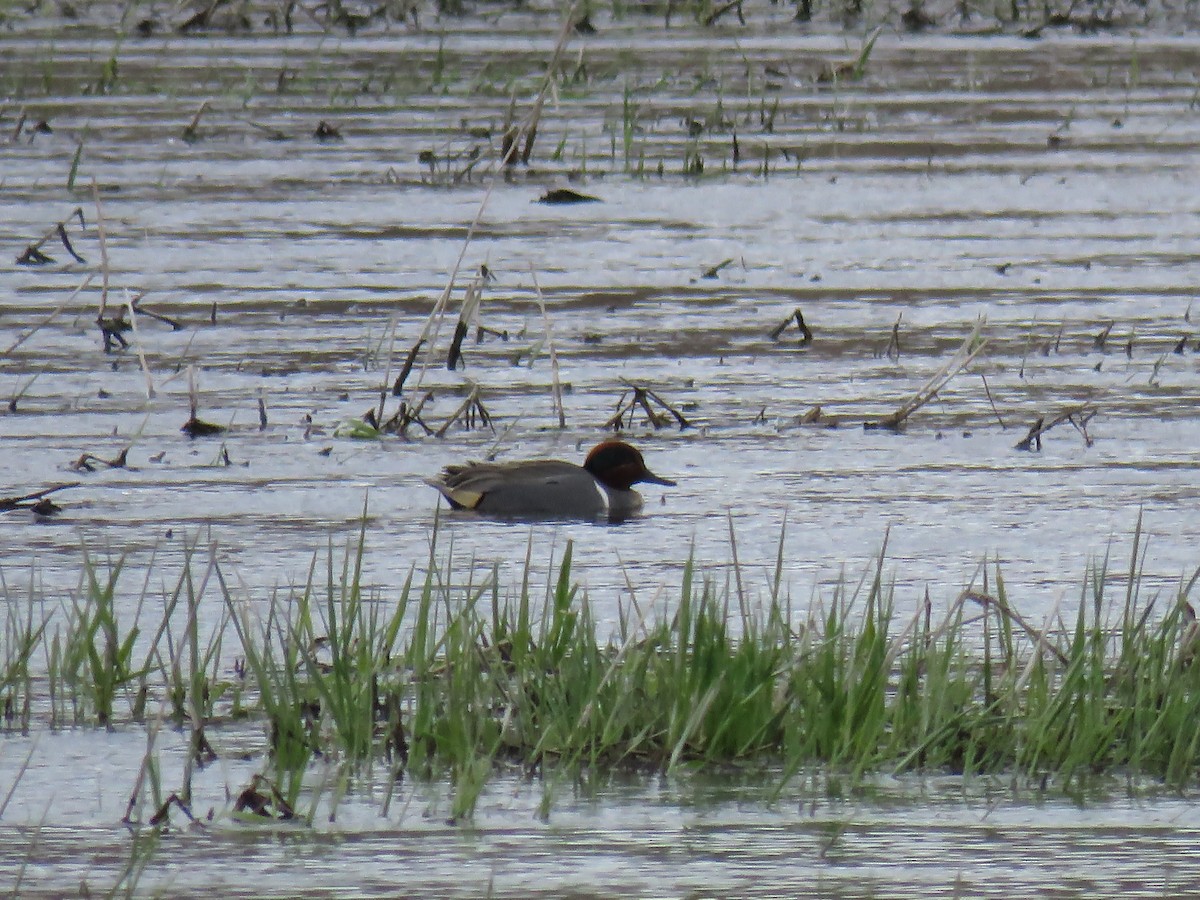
[(704, 836), (1044, 188)]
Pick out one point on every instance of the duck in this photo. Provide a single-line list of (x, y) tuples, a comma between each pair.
[(552, 488)]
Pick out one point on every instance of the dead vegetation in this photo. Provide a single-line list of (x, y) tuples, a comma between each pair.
[(90, 462), (37, 502), (406, 404), (33, 255), (1078, 415), (966, 354), (806, 335), (659, 413)]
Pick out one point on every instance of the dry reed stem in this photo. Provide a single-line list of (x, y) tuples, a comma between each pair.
[(156, 316), (556, 384), (1027, 672), (387, 369), (432, 328), (716, 14), (33, 254), (1002, 607), (102, 236), (806, 335), (50, 318), (189, 133), (24, 767), (88, 461), (143, 769), (141, 353), (193, 398), (970, 348), (16, 132), (892, 351), (1078, 415), (10, 503), (467, 315), (987, 390), (407, 415), (464, 411), (640, 396)]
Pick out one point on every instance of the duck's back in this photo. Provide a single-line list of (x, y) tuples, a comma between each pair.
[(543, 487)]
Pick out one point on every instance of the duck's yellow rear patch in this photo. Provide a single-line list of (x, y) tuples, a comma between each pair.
[(465, 499)]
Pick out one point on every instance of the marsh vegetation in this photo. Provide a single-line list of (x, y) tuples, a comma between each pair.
[(271, 263)]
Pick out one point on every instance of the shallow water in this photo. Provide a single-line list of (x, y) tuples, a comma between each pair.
[(914, 186), (691, 836), (1045, 185)]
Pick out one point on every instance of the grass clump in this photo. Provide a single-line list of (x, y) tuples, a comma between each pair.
[(458, 680)]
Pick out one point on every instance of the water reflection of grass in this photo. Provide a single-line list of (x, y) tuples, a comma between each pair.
[(461, 680)]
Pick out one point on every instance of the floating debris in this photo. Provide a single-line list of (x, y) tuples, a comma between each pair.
[(326, 133), (35, 501), (89, 462), (1079, 416), (195, 428), (33, 255), (714, 271), (636, 396), (267, 804), (564, 196), (362, 429)]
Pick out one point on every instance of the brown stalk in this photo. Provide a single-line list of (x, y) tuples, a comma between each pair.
[(150, 314), (141, 353), (28, 500), (160, 817), (1002, 607), (88, 462), (33, 254), (466, 315), (195, 427), (190, 133), (539, 101), (467, 411), (712, 17), (16, 132), (1078, 415), (987, 390), (101, 233), (50, 318), (639, 396), (806, 335), (408, 415), (433, 323), (893, 346), (971, 347), (556, 384), (398, 385)]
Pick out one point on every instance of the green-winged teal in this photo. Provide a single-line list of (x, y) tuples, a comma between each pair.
[(552, 488)]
